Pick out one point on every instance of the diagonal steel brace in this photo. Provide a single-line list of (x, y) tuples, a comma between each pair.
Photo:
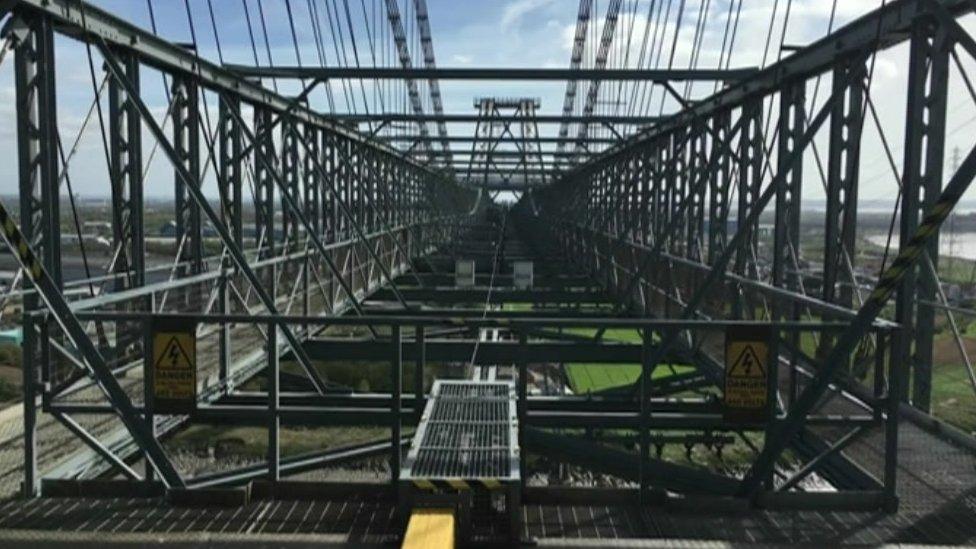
[(113, 66)]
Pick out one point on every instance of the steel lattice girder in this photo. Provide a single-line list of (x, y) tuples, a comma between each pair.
[(184, 154), (592, 119), (86, 22), (877, 30), (545, 140), (596, 188)]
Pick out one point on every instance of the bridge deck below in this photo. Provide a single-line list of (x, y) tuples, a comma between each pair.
[(938, 507)]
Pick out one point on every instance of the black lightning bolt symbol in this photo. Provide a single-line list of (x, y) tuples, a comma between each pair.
[(174, 353)]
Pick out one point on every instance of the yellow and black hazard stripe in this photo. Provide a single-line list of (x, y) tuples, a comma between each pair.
[(458, 484), (906, 257), (16, 240)]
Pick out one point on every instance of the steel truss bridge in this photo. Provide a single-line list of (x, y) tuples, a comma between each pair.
[(337, 237)]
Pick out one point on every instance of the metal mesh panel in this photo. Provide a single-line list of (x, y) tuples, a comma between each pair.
[(466, 432)]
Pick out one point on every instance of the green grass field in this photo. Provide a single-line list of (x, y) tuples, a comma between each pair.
[(594, 378)]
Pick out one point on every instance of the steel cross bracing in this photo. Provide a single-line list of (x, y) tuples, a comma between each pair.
[(403, 51), (427, 44), (666, 226), (600, 63), (642, 231), (393, 209), (506, 121), (576, 60)]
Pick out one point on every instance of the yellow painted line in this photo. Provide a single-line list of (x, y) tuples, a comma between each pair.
[(457, 484), (490, 483), (424, 484), (430, 529)]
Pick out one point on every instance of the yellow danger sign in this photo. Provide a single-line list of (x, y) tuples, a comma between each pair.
[(174, 369), (747, 362), (747, 369)]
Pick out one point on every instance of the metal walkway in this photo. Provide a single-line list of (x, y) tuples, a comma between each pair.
[(468, 434), (937, 489)]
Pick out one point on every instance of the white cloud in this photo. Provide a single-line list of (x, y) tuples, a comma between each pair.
[(516, 10), (461, 59)]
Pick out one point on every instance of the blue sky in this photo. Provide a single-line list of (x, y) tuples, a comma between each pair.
[(522, 33)]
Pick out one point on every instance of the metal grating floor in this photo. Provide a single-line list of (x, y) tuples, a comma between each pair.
[(938, 507), (468, 431)]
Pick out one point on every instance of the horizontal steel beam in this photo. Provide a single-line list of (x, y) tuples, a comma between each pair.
[(546, 153), (498, 295), (494, 73), (464, 313), (471, 139), (516, 159), (473, 118), (482, 319), (250, 411), (488, 352), (504, 185), (563, 403), (498, 279), (507, 168)]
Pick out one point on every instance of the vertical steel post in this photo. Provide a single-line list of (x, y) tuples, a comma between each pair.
[(37, 154), (644, 196), (846, 123), (313, 213), (843, 166), (396, 379), (148, 389), (224, 358), (922, 182), (698, 161), (264, 182), (125, 146), (291, 164), (47, 366), (37, 137), (786, 231), (659, 185), (750, 184), (647, 374), (230, 183), (31, 484), (419, 387), (897, 378), (186, 141), (230, 187), (329, 215), (523, 402), (719, 188), (274, 421), (313, 178)]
